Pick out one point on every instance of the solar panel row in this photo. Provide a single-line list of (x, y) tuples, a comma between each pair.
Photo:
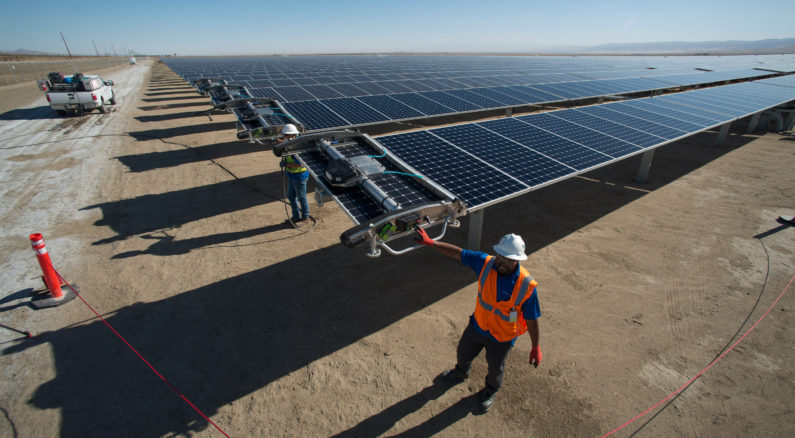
[(359, 91), (484, 163)]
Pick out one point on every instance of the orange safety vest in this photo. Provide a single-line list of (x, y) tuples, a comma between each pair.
[(495, 316)]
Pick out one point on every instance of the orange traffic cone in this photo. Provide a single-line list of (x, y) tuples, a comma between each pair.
[(58, 292)]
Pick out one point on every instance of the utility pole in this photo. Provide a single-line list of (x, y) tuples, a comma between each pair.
[(69, 52), (95, 47), (114, 50), (67, 46)]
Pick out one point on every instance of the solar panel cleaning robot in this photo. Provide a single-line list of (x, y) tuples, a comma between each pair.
[(383, 195), (259, 119)]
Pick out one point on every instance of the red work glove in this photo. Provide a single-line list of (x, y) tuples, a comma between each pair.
[(423, 237), (535, 356)]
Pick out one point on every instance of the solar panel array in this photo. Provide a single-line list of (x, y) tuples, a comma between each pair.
[(334, 92), (487, 162)]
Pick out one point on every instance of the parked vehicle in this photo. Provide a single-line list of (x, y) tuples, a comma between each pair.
[(77, 93)]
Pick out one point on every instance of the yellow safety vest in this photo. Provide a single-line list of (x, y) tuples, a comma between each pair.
[(290, 160)]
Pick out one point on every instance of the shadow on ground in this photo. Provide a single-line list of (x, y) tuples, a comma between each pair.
[(176, 157), (231, 338), (157, 212), (225, 340), (37, 113), (181, 130)]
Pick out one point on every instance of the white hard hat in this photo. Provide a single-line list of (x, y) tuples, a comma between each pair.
[(289, 129), (511, 246)]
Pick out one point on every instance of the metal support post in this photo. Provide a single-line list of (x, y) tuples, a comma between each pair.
[(724, 132), (752, 124), (475, 230), (645, 166), (790, 123), (508, 112)]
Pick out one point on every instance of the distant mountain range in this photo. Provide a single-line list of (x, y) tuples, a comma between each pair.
[(768, 46)]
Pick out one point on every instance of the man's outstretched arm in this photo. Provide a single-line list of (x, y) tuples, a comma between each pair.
[(447, 249)]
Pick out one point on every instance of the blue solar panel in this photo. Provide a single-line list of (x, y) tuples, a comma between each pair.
[(322, 91), (396, 87), (416, 85), (784, 81), (266, 92), (305, 81), (422, 104), (522, 163), (612, 129), (558, 148), (390, 107), (354, 111), (657, 118), (563, 90), (348, 90), (670, 105), (468, 178), (477, 99), (588, 137), (294, 93), (492, 94), (283, 82), (669, 111), (633, 122), (314, 115), (536, 94), (450, 101), (373, 88)]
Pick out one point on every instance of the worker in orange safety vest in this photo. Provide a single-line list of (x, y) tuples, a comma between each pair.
[(506, 306)]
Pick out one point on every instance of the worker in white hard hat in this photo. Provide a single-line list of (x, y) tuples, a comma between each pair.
[(507, 306), (297, 177)]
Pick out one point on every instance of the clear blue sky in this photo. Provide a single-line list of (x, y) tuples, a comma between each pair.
[(202, 27)]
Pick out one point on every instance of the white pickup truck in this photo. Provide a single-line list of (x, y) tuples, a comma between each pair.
[(77, 92)]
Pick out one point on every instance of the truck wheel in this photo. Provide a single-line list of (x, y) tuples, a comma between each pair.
[(112, 100), (101, 108)]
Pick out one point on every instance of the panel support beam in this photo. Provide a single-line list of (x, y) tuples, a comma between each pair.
[(475, 229), (724, 132), (645, 166)]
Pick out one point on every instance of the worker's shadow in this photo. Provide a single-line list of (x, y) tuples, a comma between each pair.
[(379, 423), (165, 245)]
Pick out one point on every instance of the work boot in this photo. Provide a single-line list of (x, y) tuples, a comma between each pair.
[(454, 376), (486, 398)]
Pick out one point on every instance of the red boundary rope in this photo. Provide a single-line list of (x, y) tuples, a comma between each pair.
[(140, 356), (707, 367)]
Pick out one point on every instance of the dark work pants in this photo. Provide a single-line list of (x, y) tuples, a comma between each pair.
[(469, 347)]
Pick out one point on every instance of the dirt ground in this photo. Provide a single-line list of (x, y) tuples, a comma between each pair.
[(176, 234)]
